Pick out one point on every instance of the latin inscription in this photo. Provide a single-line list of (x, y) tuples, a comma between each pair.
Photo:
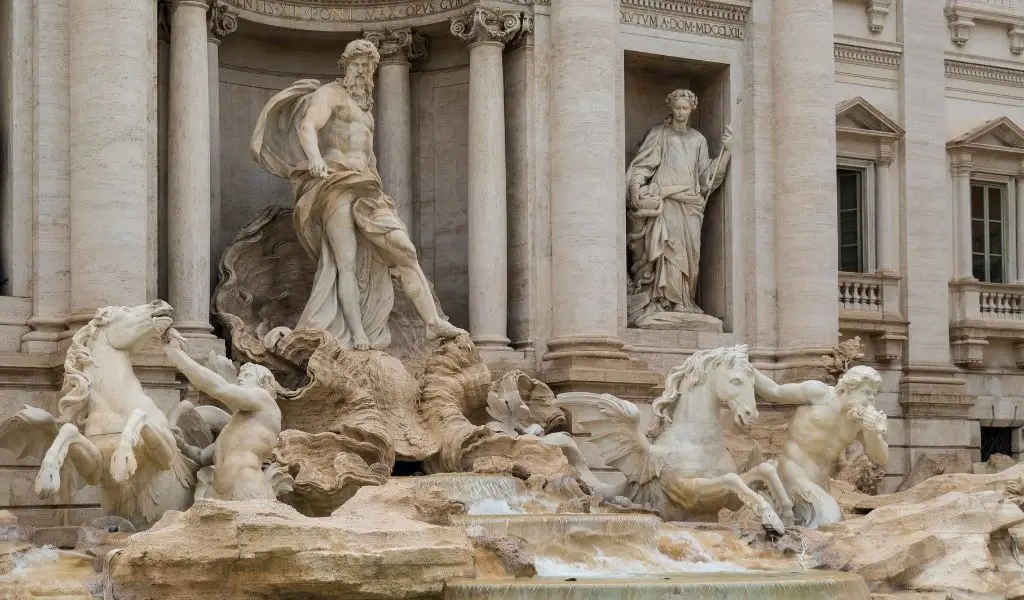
[(631, 17), (348, 13)]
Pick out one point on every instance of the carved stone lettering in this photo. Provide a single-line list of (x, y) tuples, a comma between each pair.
[(685, 25), (409, 10)]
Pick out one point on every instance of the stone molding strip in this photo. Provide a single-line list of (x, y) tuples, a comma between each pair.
[(863, 55), (956, 69)]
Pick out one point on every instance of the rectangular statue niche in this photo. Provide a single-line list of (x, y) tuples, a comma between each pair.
[(705, 305)]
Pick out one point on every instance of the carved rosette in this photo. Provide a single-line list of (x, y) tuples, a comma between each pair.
[(393, 43), (221, 20), (487, 25)]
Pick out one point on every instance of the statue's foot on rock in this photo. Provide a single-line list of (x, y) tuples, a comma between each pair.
[(274, 336), (361, 343), (443, 330)]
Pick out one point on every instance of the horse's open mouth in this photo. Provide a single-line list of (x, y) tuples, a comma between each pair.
[(740, 420), (163, 311)]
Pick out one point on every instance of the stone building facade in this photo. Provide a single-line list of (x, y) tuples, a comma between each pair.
[(876, 186)]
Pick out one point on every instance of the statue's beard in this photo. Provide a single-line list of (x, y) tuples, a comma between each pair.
[(360, 89)]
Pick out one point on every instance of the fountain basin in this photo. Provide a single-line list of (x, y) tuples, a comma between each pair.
[(802, 585)]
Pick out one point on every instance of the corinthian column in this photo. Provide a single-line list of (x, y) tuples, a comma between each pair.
[(805, 170), (394, 113), (110, 66), (486, 30), (188, 170), (222, 20)]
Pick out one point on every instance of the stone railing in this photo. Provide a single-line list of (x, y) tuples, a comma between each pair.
[(869, 305), (982, 312), (858, 291)]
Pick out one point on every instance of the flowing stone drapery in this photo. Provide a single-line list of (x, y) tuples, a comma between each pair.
[(188, 157), (111, 59), (397, 47), (805, 163), (486, 31)]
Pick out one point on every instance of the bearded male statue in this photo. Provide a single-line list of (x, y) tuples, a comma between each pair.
[(320, 138)]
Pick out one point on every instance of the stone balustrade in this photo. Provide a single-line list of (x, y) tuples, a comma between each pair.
[(869, 305), (983, 312)]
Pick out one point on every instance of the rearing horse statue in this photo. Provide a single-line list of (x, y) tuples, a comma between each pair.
[(110, 430), (686, 472)]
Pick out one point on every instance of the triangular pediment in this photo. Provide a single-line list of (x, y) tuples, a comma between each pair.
[(857, 114), (1001, 133)]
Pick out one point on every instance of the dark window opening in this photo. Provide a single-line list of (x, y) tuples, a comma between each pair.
[(996, 440)]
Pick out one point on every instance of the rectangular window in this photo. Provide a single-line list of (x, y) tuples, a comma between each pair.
[(850, 193), (988, 219)]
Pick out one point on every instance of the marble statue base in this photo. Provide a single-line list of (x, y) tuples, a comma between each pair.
[(679, 320)]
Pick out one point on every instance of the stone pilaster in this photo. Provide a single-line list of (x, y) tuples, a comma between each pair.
[(933, 396), (886, 214), (585, 351), (51, 254), (806, 246), (398, 48), (960, 166), (221, 20), (111, 61), (486, 31)]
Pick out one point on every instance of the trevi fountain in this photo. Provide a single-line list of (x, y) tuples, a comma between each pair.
[(329, 430)]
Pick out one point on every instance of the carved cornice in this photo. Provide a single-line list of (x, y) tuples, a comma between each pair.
[(487, 25), (961, 16), (702, 9), (956, 69), (221, 20), (864, 55), (404, 43)]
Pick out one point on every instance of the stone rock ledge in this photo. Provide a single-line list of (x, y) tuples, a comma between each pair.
[(259, 549)]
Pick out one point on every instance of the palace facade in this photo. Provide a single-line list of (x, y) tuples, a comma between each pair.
[(876, 186)]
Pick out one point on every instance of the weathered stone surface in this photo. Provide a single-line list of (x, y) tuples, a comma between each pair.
[(928, 465), (260, 549), (46, 574), (1004, 481), (504, 555), (994, 464), (856, 468)]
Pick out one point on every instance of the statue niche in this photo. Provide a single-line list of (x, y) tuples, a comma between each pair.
[(668, 186)]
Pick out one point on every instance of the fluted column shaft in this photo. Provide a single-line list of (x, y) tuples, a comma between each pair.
[(221, 21), (486, 31), (585, 195), (806, 246), (110, 58), (397, 47), (188, 162)]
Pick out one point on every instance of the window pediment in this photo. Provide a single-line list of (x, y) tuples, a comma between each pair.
[(858, 116), (1000, 135)]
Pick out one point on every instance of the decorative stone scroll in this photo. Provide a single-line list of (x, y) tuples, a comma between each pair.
[(392, 43), (961, 16), (487, 25), (221, 20)]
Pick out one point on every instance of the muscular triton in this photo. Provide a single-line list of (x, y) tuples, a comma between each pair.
[(321, 139), (250, 435), (828, 419)]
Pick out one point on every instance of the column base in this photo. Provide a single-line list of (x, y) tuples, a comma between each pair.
[(45, 336), (497, 342), (627, 378), (934, 391)]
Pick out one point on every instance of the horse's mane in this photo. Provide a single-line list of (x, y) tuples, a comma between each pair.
[(692, 373), (73, 406)]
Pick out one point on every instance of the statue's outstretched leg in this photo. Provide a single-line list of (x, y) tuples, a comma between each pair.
[(732, 483), (340, 230), (768, 475), (85, 457), (141, 434), (415, 285)]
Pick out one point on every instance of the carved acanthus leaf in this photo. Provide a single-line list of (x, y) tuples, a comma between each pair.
[(221, 20), (391, 42)]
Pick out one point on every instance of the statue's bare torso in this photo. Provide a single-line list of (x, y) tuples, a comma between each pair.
[(345, 129)]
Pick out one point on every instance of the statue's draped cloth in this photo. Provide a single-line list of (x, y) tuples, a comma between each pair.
[(276, 147), (666, 248)]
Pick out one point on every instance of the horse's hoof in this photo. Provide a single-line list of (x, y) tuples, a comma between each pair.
[(773, 523), (48, 479), (123, 464)]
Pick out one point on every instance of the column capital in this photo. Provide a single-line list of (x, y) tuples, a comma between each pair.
[(399, 44), (221, 20), (483, 25), (885, 153)]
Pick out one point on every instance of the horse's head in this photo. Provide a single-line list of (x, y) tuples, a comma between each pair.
[(733, 383), (128, 328)]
